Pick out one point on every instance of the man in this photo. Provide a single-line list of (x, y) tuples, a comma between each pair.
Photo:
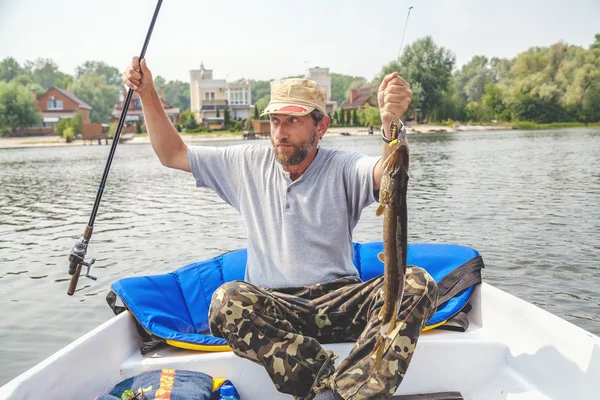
[(300, 203)]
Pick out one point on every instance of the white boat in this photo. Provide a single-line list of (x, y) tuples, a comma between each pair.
[(511, 350)]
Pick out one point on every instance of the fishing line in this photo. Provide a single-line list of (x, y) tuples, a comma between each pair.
[(404, 33)]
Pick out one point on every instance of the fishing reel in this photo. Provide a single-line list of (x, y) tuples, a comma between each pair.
[(77, 257)]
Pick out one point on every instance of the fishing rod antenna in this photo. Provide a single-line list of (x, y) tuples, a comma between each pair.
[(77, 256)]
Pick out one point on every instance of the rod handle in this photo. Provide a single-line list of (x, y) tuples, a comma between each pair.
[(74, 279)]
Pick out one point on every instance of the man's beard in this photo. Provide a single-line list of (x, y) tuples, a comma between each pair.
[(300, 152)]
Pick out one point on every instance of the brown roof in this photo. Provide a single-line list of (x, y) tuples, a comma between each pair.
[(363, 96), (119, 104), (80, 103)]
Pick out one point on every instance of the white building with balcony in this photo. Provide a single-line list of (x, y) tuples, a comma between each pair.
[(208, 94)]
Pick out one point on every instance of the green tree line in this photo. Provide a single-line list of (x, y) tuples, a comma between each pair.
[(95, 82), (559, 83)]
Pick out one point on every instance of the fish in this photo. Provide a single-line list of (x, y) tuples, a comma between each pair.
[(392, 205)]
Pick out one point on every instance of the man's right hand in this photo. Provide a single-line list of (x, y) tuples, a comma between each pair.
[(138, 77), (166, 142)]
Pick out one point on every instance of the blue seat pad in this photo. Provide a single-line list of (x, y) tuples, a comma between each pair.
[(175, 306)]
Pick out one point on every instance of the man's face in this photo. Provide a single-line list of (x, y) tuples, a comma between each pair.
[(292, 137)]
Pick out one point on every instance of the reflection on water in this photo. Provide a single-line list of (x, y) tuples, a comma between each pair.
[(528, 201)]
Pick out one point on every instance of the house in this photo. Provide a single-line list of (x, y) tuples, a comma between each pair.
[(56, 104), (359, 99), (207, 95), (135, 113)]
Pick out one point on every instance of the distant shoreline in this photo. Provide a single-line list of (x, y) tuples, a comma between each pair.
[(52, 141)]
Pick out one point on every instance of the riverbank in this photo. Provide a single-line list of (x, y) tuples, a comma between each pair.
[(421, 128), (51, 141)]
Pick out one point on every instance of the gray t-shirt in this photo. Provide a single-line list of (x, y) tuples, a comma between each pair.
[(299, 233)]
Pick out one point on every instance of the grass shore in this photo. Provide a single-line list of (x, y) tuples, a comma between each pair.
[(555, 125)]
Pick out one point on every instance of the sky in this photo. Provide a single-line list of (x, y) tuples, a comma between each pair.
[(272, 39)]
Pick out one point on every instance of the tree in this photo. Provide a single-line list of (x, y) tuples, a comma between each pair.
[(177, 93), (472, 78), (426, 64), (92, 88), (74, 124), (45, 72), (112, 129), (502, 70), (340, 84), (77, 122), (340, 116), (159, 81), (580, 78), (111, 75), (494, 103), (218, 115), (25, 80), (10, 69), (62, 125), (248, 124), (226, 117), (556, 83), (64, 82), (17, 106), (476, 112), (531, 108), (188, 120), (262, 103), (184, 116), (369, 116), (260, 89), (354, 118), (256, 114), (450, 107), (596, 44), (69, 134)]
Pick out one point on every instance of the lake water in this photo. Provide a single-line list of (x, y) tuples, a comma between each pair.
[(528, 201)]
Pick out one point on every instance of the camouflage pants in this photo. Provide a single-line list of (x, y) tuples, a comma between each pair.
[(282, 329)]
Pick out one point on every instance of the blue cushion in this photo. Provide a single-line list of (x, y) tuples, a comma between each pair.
[(175, 306)]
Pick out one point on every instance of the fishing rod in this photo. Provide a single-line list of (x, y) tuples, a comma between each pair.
[(77, 256), (404, 33)]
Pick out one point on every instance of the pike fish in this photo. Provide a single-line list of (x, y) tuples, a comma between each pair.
[(392, 204)]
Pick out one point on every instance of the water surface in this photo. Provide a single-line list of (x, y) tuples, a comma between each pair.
[(528, 201)]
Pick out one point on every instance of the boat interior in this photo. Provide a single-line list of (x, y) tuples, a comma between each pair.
[(511, 350)]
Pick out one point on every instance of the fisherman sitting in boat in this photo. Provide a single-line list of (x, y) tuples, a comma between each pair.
[(300, 203)]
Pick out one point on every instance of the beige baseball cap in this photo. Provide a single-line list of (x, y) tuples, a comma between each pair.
[(296, 97)]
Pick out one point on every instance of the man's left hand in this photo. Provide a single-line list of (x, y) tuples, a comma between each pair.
[(394, 96)]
